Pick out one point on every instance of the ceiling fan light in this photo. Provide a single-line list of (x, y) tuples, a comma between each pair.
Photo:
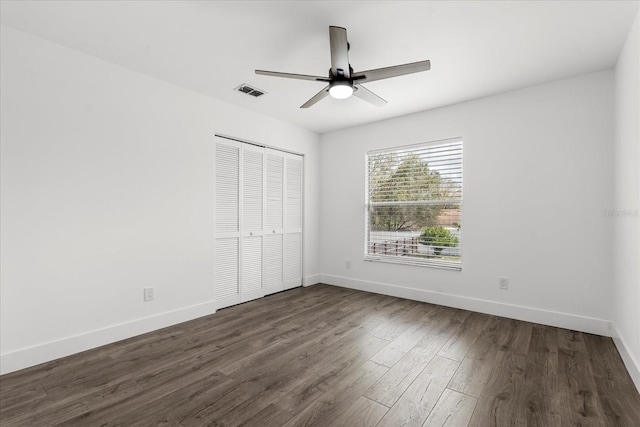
[(341, 90)]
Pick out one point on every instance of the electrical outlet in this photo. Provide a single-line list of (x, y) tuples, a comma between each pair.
[(348, 264), (504, 283), (148, 294)]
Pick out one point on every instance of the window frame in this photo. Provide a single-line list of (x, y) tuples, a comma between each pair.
[(408, 260)]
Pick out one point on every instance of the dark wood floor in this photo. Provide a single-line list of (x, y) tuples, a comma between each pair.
[(327, 356)]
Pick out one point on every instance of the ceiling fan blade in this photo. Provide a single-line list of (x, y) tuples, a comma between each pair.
[(292, 76), (339, 52), (366, 95), (317, 97), (387, 72)]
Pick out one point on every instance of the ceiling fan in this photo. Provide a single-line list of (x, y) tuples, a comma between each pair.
[(343, 82)]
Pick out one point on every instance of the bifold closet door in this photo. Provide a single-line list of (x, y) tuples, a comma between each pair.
[(239, 223), (258, 222), (226, 263)]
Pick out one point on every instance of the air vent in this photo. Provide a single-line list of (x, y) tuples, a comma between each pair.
[(249, 90)]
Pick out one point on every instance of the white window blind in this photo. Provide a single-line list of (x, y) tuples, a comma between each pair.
[(414, 205)]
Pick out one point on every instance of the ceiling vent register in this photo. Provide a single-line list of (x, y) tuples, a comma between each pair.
[(244, 88)]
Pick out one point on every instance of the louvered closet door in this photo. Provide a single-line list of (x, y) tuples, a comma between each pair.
[(227, 224), (251, 277), (293, 221), (274, 222)]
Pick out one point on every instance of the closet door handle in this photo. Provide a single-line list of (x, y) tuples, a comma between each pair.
[(251, 233)]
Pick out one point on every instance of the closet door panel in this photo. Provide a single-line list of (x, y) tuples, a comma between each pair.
[(293, 221), (251, 279), (274, 221), (226, 276)]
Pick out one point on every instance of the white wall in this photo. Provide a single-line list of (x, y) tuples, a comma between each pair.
[(106, 188), (537, 177), (626, 284), (106, 180)]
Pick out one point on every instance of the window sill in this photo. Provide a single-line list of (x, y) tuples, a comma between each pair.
[(445, 265)]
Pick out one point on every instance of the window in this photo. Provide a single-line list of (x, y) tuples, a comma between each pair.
[(414, 205)]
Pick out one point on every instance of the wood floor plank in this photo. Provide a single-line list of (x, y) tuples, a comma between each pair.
[(15, 387), (497, 404), (461, 341), (321, 355), (333, 340), (578, 388), (336, 401), (515, 336), (604, 359), (240, 395), (401, 316), (452, 410), (415, 404), (446, 321), (620, 403), (172, 407), (488, 339), (270, 416), (324, 373), (394, 383), (363, 413), (397, 348), (304, 380), (571, 340), (474, 373), (292, 339), (541, 397)]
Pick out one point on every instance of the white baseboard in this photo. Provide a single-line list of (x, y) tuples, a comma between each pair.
[(31, 356), (314, 279), (631, 363), (552, 318)]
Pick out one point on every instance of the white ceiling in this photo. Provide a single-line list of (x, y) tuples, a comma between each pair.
[(476, 48)]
